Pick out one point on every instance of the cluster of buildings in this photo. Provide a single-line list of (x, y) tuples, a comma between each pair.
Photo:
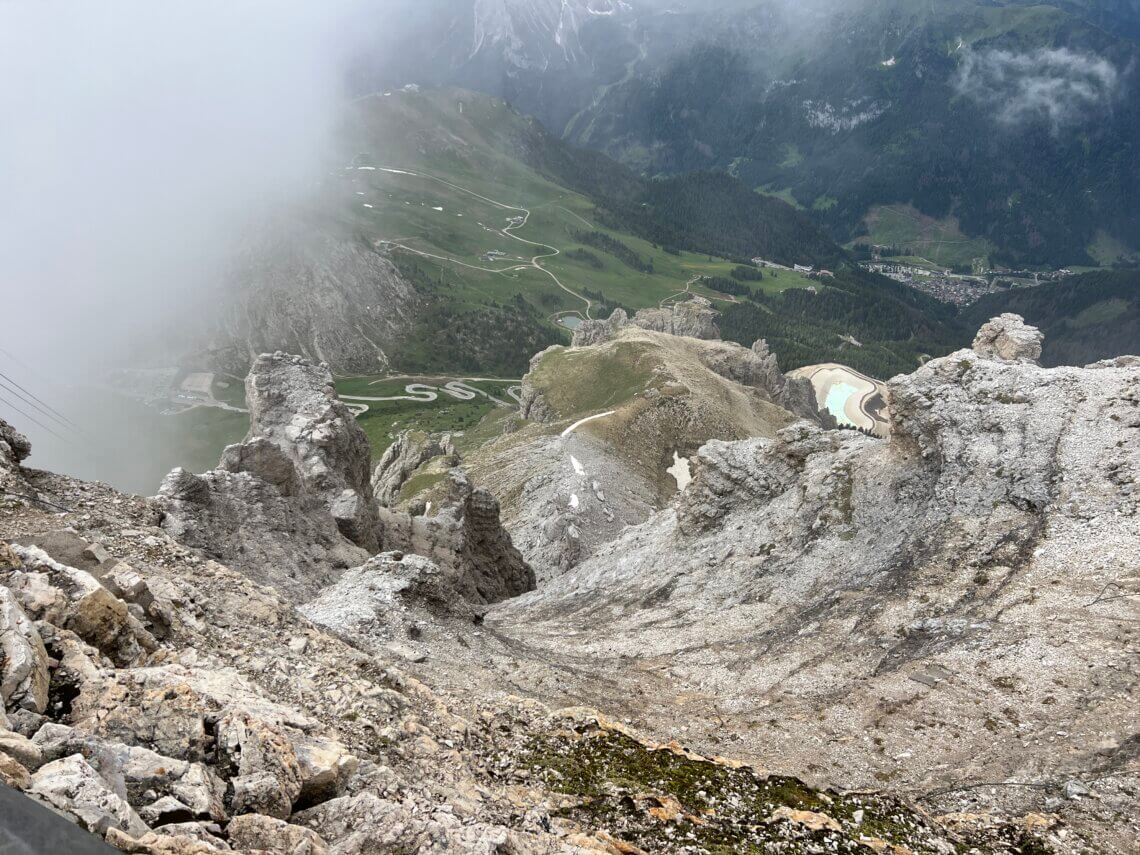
[(941, 284)]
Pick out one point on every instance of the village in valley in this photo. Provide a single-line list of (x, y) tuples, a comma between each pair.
[(953, 286)]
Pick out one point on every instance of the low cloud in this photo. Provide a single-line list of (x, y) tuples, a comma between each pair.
[(1057, 86)]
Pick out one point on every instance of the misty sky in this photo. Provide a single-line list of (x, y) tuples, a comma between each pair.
[(140, 136)]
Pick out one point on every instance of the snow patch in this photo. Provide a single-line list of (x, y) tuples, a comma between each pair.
[(681, 471)]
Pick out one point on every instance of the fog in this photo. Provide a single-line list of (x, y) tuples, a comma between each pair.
[(139, 138), (1056, 86)]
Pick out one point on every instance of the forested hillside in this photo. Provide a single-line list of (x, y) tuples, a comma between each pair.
[(892, 325), (1018, 124), (709, 212), (1085, 318)]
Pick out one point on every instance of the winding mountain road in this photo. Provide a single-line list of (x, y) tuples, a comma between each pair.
[(509, 231)]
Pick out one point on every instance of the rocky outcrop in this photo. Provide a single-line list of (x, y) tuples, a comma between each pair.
[(293, 503), (759, 369), (306, 443), (694, 318), (1008, 337), (591, 332), (14, 449), (467, 540), (403, 457), (849, 590)]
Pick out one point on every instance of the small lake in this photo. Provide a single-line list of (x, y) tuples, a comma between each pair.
[(570, 322), (837, 397)]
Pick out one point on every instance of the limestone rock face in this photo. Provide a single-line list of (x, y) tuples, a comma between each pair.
[(403, 457), (292, 545), (293, 503), (467, 539), (23, 660), (1009, 338), (694, 318), (305, 442)]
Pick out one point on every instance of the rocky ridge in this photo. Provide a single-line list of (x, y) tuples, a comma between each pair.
[(650, 400), (971, 579), (293, 505), (172, 706), (921, 614)]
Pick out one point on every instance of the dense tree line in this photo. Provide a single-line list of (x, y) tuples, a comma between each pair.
[(499, 338), (747, 273), (706, 212), (1085, 318), (893, 324), (614, 247), (725, 285), (711, 212)]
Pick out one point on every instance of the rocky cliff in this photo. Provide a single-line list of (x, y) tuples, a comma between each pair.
[(947, 617), (172, 706), (293, 504), (952, 606)]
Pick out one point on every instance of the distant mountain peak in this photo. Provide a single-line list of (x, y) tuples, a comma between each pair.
[(535, 34)]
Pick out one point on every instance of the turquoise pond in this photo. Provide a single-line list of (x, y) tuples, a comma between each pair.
[(837, 397)]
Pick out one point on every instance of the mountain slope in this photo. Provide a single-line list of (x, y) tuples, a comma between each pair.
[(1015, 119), (1085, 318)]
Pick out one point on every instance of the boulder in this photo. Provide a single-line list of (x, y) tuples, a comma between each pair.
[(325, 765), (260, 760), (1008, 338), (75, 600), (23, 659), (263, 833), (21, 749), (72, 785), (13, 773)]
